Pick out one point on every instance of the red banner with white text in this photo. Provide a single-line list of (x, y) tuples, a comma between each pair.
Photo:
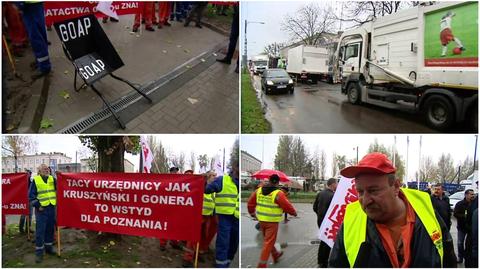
[(344, 195), (15, 194), (60, 11), (154, 205)]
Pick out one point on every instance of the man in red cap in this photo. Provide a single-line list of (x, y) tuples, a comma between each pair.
[(378, 229)]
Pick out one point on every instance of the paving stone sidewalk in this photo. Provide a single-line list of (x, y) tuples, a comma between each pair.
[(206, 104)]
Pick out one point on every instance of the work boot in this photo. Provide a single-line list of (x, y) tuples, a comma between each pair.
[(159, 26), (113, 19), (262, 265), (198, 25), (49, 28), (166, 23), (150, 28), (135, 29), (163, 248), (186, 23), (38, 258), (38, 74), (51, 252), (276, 257), (224, 61)]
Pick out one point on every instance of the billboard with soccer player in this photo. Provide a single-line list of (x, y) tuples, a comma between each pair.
[(451, 36)]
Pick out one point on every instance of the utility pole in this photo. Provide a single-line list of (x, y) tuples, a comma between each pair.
[(406, 165), (475, 155), (419, 163)]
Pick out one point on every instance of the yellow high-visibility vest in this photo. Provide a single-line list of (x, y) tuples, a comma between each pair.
[(355, 223), (266, 209), (208, 204), (46, 193), (226, 200)]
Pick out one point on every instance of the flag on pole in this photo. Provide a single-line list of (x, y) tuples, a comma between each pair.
[(218, 167), (107, 8), (147, 155)]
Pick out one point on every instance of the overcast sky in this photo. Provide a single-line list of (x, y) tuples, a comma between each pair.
[(272, 14), (264, 147), (211, 145)]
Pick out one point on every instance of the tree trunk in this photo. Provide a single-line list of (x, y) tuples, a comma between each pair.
[(111, 154), (110, 159)]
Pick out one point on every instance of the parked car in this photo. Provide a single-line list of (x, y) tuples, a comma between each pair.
[(455, 198), (274, 80)]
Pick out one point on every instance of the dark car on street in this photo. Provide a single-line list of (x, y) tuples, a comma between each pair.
[(276, 80)]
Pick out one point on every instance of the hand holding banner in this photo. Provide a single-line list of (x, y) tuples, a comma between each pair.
[(157, 205)]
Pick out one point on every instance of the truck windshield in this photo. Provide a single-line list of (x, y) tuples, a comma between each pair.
[(351, 51), (257, 63)]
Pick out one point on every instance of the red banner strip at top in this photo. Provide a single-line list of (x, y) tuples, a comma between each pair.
[(155, 205), (60, 11), (15, 194)]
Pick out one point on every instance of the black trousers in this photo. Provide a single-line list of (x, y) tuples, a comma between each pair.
[(323, 254), (234, 31)]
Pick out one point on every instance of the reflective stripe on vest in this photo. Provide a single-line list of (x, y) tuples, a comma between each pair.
[(355, 223), (266, 209), (46, 193), (226, 200), (237, 210), (208, 204)]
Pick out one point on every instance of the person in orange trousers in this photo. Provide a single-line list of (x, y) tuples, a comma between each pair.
[(208, 230), (164, 11), (267, 204), (16, 29), (146, 13)]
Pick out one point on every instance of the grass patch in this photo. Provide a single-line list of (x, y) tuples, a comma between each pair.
[(253, 119)]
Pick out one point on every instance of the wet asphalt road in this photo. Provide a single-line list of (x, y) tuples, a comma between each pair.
[(321, 108), (297, 232)]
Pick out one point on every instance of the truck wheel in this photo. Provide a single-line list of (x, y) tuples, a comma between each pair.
[(354, 92), (439, 112)]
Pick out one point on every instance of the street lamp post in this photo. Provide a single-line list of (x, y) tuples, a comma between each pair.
[(244, 60)]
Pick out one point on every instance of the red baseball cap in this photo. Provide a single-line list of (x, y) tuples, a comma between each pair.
[(372, 163)]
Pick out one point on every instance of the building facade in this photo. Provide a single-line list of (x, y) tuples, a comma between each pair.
[(32, 162), (90, 165), (249, 164)]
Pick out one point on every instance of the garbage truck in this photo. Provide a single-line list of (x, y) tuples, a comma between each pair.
[(308, 63), (423, 60)]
